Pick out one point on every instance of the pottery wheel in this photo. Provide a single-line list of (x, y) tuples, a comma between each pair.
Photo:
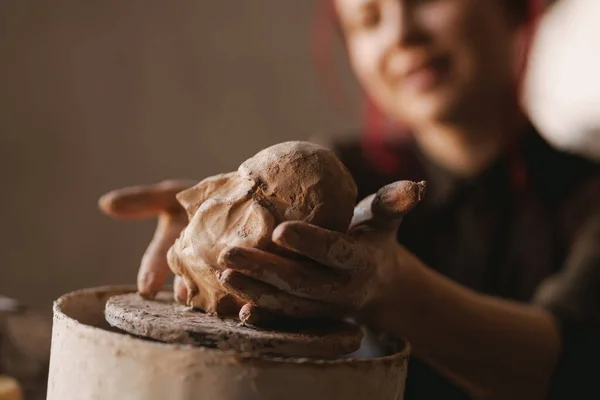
[(163, 320)]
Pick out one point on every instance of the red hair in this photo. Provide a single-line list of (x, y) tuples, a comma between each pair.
[(518, 169), (373, 142)]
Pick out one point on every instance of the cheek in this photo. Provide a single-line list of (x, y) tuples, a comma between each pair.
[(368, 51), (365, 56)]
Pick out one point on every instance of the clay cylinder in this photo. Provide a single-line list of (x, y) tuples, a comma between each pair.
[(90, 360)]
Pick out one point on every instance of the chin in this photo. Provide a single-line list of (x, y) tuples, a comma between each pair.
[(441, 104), (427, 110)]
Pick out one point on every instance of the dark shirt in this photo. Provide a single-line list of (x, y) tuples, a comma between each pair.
[(527, 229)]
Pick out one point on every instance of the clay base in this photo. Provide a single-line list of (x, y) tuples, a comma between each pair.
[(165, 321), (90, 360)]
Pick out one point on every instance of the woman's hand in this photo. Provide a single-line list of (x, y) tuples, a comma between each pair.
[(156, 200), (338, 274), (334, 274)]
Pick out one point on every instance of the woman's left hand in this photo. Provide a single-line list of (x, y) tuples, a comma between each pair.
[(338, 274)]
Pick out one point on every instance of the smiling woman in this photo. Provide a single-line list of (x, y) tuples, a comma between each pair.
[(455, 63), (423, 62)]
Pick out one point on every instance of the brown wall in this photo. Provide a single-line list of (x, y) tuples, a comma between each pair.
[(99, 94)]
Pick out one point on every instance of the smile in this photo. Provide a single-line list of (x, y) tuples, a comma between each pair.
[(422, 75)]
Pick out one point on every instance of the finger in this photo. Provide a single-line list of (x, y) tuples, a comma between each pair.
[(256, 316), (143, 201), (264, 319), (385, 209), (396, 199), (191, 290), (269, 298), (300, 278), (154, 268), (180, 290), (326, 247)]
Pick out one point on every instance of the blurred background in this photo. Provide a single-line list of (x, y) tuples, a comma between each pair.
[(97, 95)]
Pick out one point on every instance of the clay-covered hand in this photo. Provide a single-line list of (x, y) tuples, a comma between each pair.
[(339, 274), (290, 181), (146, 201), (219, 214), (174, 203)]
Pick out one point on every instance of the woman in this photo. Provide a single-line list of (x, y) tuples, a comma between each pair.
[(494, 277)]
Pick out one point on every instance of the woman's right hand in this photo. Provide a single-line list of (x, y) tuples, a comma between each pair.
[(145, 201)]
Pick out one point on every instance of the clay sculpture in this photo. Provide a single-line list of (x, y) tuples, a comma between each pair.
[(285, 182), (291, 181)]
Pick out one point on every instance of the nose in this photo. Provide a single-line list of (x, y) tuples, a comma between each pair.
[(407, 29)]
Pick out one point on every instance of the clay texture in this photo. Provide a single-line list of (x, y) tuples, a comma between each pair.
[(161, 320), (291, 181), (89, 360)]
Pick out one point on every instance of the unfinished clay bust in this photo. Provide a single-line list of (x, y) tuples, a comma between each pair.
[(289, 181)]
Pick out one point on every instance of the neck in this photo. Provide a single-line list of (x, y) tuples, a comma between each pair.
[(467, 149)]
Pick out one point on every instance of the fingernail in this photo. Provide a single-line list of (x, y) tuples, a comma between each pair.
[(146, 285), (408, 196), (146, 294), (387, 196), (233, 258), (255, 316), (286, 234), (246, 315), (180, 290), (224, 256), (225, 276), (235, 255), (181, 296)]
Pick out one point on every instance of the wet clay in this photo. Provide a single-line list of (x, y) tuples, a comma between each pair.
[(163, 320), (291, 181)]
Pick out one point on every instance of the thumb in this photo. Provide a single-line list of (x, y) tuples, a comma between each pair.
[(385, 209)]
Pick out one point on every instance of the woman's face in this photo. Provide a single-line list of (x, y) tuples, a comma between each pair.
[(426, 61)]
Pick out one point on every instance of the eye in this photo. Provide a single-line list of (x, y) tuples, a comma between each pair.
[(370, 15)]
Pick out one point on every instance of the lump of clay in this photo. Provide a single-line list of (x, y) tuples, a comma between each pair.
[(291, 181)]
